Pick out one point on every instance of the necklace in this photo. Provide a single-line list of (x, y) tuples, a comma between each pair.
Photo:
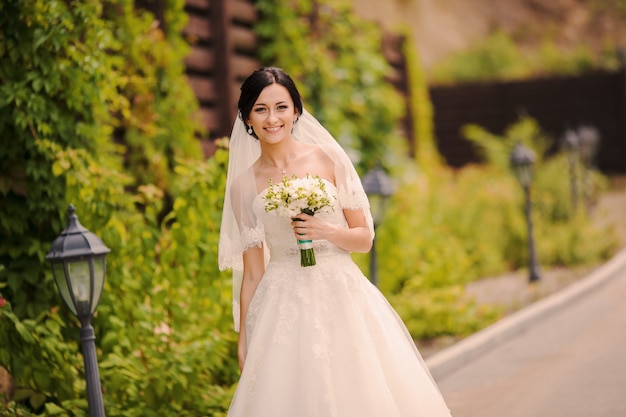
[(283, 170)]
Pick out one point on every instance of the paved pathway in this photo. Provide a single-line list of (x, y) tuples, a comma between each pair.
[(571, 363)]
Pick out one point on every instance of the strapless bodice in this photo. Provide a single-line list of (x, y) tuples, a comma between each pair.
[(279, 235)]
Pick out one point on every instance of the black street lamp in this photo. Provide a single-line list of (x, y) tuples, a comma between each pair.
[(78, 261), (378, 187), (571, 144), (521, 161)]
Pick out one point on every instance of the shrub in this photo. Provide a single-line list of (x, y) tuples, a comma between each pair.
[(453, 227)]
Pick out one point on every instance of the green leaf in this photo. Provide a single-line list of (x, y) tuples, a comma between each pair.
[(22, 394), (37, 400), (43, 380), (53, 326), (24, 333), (54, 410)]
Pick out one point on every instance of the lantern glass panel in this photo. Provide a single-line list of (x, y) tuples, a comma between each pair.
[(524, 174), (99, 270), (80, 277), (58, 270), (377, 206)]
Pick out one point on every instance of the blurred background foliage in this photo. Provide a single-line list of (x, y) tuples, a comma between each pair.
[(95, 110), (496, 57), (335, 58), (500, 57)]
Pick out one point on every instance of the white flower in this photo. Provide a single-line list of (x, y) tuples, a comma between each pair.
[(295, 195)]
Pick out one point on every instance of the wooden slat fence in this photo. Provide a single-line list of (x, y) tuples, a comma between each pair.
[(597, 99), (223, 54)]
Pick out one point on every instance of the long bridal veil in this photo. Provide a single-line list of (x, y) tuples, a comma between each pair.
[(240, 229)]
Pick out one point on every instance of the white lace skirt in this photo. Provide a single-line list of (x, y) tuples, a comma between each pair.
[(324, 342)]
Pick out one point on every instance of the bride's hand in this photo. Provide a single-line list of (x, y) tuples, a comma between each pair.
[(307, 227)]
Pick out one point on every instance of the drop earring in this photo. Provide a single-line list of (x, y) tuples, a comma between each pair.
[(250, 131)]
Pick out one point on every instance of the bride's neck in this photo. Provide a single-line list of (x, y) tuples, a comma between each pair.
[(279, 156)]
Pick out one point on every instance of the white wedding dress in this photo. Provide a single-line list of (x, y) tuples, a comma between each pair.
[(324, 342)]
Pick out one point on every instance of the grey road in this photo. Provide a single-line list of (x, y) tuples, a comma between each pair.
[(570, 364)]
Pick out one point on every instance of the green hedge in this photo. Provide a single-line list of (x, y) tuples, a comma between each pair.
[(452, 227)]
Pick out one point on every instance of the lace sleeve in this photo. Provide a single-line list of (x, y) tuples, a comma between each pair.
[(241, 230), (245, 230), (350, 192)]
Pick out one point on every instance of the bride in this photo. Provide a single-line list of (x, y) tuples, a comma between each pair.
[(319, 340)]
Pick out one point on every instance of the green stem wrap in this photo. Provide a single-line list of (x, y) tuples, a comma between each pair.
[(307, 255)]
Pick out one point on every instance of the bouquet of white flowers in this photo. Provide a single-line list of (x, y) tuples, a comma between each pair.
[(296, 195)]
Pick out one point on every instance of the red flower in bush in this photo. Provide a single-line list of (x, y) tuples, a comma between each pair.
[(3, 301)]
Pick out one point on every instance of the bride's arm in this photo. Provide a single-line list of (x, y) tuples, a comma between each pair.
[(253, 270), (356, 238)]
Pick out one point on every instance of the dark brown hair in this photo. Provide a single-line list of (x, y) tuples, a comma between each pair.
[(257, 81)]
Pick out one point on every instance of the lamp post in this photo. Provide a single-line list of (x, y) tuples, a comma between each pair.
[(78, 261), (378, 187), (570, 143), (521, 161)]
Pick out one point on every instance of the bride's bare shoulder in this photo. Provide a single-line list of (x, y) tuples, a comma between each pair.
[(318, 161), (314, 151)]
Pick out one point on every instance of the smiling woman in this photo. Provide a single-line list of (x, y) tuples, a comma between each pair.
[(315, 338), (273, 115)]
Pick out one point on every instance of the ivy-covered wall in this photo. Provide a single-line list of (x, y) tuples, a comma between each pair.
[(95, 111)]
